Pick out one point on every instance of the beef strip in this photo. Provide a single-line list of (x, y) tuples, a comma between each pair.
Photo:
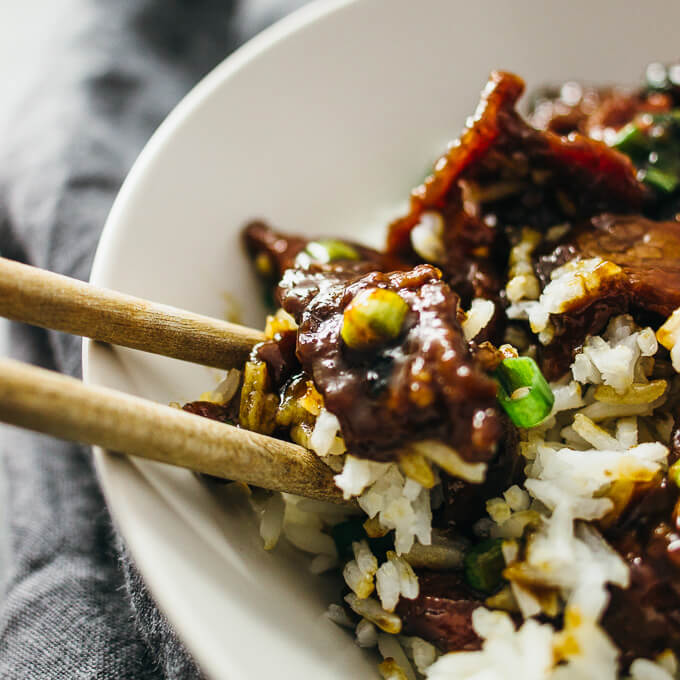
[(208, 409), (648, 253), (425, 384), (644, 619), (223, 414), (279, 355), (602, 112), (274, 252), (593, 111), (442, 612), (464, 502), (502, 172)]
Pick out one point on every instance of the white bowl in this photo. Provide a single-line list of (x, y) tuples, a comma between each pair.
[(321, 124)]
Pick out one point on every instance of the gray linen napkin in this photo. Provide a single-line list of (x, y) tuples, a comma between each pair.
[(74, 605)]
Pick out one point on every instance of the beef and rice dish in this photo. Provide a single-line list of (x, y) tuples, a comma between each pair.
[(498, 391)]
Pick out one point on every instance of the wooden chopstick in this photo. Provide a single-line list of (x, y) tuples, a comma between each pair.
[(63, 407), (41, 298)]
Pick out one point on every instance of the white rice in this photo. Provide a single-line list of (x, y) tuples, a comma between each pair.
[(271, 521), (477, 318), (611, 363), (449, 460), (323, 563), (337, 614), (669, 336), (537, 652), (305, 525), (567, 397), (595, 435), (357, 474), (226, 389), (644, 669), (366, 634), (398, 502), (427, 237), (310, 540), (498, 509), (419, 651), (506, 653), (517, 498), (325, 439), (572, 282), (391, 650), (387, 580), (395, 578), (371, 610), (522, 282), (359, 573)]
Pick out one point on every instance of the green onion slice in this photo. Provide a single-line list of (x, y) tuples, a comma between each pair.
[(674, 473), (652, 142), (345, 533), (484, 564), (523, 392), (374, 317), (330, 250), (666, 182), (629, 139)]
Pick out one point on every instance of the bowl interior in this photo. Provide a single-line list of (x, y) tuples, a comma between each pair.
[(320, 125)]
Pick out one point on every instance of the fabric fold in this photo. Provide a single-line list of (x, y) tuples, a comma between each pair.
[(104, 77)]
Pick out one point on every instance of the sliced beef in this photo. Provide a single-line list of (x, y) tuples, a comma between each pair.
[(501, 173), (279, 355), (647, 251), (274, 252), (464, 502), (648, 254), (442, 612), (644, 619), (424, 384), (593, 111), (208, 409)]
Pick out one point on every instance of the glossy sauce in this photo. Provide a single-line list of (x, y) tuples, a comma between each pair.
[(648, 253), (430, 383), (425, 384)]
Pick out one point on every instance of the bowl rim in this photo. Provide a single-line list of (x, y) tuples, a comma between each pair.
[(258, 46), (266, 40)]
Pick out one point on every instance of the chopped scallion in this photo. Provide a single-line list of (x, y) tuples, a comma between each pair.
[(374, 317), (330, 250), (483, 565), (629, 138), (674, 473), (652, 142), (523, 392), (664, 181), (346, 533)]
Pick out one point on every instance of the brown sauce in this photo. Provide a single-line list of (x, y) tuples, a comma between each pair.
[(648, 253), (423, 385)]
